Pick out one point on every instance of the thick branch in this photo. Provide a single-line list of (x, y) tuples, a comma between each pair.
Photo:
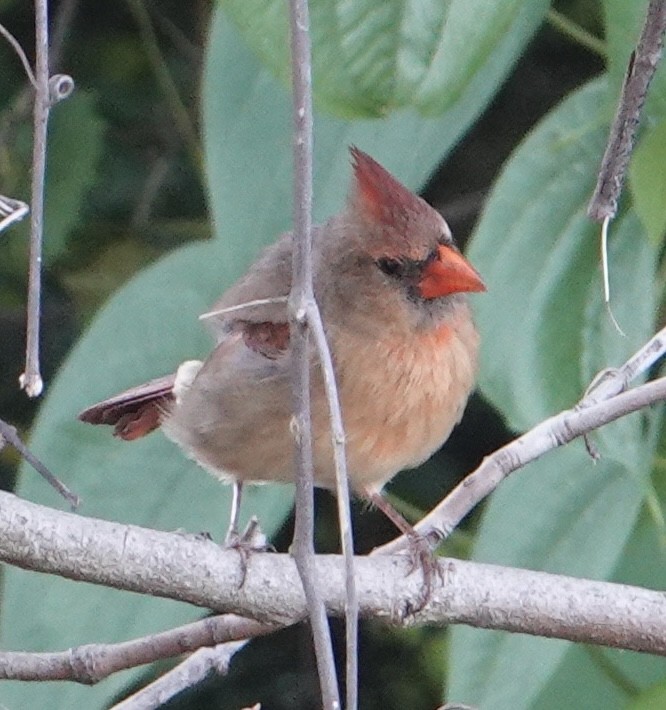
[(201, 573)]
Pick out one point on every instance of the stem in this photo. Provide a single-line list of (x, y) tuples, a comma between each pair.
[(31, 379), (576, 33), (301, 300)]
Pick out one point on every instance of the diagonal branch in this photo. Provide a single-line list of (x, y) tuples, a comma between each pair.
[(9, 435), (598, 406), (185, 675), (550, 434)]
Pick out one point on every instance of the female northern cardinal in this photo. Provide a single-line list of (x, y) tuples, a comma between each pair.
[(389, 282)]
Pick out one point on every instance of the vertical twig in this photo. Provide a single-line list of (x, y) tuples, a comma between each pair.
[(643, 62), (344, 507), (48, 91), (31, 379), (300, 300)]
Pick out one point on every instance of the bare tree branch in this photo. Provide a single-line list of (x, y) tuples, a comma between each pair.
[(550, 434), (553, 432), (31, 379), (642, 65), (48, 91), (93, 662), (21, 54), (185, 675), (303, 316), (9, 435), (202, 573)]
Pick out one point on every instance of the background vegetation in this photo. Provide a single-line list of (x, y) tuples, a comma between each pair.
[(170, 167)]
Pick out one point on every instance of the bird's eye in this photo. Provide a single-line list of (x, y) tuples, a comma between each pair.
[(432, 256), (391, 267)]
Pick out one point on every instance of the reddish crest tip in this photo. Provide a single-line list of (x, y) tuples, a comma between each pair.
[(377, 192)]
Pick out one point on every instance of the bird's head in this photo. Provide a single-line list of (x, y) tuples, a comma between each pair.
[(394, 246)]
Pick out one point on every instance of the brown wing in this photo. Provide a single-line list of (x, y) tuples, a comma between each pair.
[(134, 412), (269, 339)]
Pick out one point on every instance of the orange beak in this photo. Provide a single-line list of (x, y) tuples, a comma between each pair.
[(449, 273)]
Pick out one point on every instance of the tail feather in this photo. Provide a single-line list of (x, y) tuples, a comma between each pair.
[(136, 411)]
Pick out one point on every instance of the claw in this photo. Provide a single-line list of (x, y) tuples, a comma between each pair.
[(252, 539), (422, 555)]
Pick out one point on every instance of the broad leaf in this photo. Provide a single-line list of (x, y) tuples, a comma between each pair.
[(151, 325), (371, 58), (545, 334), (647, 179), (74, 149)]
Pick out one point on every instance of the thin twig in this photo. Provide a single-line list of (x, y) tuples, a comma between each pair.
[(15, 115), (301, 300), (9, 435), (548, 435), (92, 663), (605, 386), (48, 91), (21, 54), (612, 381), (344, 507), (606, 276), (243, 306), (185, 675), (31, 379), (11, 211), (642, 65)]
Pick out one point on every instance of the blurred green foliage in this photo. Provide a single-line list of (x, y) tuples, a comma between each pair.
[(169, 169)]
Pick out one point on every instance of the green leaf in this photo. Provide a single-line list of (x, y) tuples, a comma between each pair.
[(647, 180), (608, 678), (545, 333), (151, 325), (74, 150), (371, 58), (653, 698)]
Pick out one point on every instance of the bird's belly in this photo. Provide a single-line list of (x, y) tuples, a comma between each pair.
[(401, 403)]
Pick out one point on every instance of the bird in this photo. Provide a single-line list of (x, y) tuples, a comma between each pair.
[(391, 286)]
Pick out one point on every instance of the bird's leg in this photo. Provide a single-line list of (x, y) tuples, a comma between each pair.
[(233, 538), (420, 550), (252, 538)]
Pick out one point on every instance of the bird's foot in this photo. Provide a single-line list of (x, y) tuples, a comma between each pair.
[(422, 556), (252, 539)]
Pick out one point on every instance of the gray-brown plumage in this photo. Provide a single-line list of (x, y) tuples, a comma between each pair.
[(390, 286)]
